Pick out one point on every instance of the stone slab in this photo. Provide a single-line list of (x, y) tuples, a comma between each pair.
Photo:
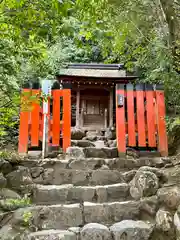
[(52, 235), (50, 217), (56, 194), (108, 213)]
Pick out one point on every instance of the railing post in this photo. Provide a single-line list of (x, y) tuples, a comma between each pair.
[(66, 118), (120, 119), (161, 123), (24, 122)]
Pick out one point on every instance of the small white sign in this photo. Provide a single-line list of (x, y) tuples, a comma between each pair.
[(46, 90)]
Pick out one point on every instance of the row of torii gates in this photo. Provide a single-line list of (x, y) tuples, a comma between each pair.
[(140, 111)]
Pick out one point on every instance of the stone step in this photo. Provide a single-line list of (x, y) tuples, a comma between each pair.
[(60, 176), (77, 215), (93, 163), (53, 194), (52, 235), (99, 150), (132, 229), (91, 152)]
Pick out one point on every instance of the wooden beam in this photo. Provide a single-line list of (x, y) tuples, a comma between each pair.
[(111, 107), (77, 108)]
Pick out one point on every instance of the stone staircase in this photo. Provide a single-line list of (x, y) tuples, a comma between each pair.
[(89, 194)]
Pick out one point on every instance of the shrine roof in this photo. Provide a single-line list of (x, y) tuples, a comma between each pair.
[(94, 70)]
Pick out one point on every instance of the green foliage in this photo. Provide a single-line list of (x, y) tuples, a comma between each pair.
[(13, 204), (39, 37), (10, 155), (27, 216), (173, 129), (138, 34)]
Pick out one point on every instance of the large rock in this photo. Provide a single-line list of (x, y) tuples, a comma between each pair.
[(19, 177), (92, 135), (36, 171), (149, 207), (52, 235), (9, 233), (75, 152), (110, 134), (164, 223), (173, 175), (144, 184), (5, 166), (131, 230), (3, 181), (94, 231), (162, 177), (169, 196), (177, 223), (128, 176), (77, 134), (7, 193)]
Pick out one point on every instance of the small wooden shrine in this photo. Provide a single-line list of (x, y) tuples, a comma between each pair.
[(93, 93)]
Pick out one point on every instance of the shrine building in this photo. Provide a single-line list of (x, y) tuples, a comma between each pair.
[(93, 93)]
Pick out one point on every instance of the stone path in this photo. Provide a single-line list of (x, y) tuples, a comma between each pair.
[(89, 194)]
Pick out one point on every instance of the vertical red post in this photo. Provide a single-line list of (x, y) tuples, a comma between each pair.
[(49, 119), (130, 115), (160, 108), (140, 115), (151, 117), (24, 122), (35, 117), (66, 118), (120, 118), (56, 117)]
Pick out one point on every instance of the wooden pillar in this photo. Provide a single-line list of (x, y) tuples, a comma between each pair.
[(82, 113), (77, 108), (111, 95), (105, 118)]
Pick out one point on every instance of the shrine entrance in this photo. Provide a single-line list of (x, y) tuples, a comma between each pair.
[(94, 108)]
